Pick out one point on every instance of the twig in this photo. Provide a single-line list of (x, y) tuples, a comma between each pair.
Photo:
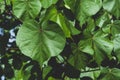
[(90, 70)]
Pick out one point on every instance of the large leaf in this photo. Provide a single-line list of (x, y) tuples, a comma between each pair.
[(40, 42), (112, 6), (26, 8), (87, 8), (98, 44), (47, 3), (90, 7)]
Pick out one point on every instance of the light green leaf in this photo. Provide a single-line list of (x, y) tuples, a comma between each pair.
[(102, 20), (26, 8), (2, 6), (102, 46), (72, 28), (87, 8), (112, 6), (107, 29), (60, 19), (46, 70), (109, 4), (90, 7), (40, 42), (47, 3), (86, 46), (74, 31)]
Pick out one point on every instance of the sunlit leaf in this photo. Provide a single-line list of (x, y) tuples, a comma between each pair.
[(40, 42), (25, 9)]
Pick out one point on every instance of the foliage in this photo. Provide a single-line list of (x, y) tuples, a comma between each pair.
[(60, 39)]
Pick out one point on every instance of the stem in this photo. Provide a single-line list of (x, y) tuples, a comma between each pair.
[(14, 48), (90, 70)]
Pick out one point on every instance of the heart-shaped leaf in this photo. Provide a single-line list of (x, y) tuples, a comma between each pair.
[(40, 42), (26, 8)]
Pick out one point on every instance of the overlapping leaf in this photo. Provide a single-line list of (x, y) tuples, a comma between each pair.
[(96, 43), (25, 9), (47, 3), (112, 6), (110, 74), (84, 8), (78, 59), (68, 29)]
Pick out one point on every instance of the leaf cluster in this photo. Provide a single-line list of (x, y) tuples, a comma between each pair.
[(60, 39)]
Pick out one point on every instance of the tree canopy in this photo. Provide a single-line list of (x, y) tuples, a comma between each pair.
[(60, 39)]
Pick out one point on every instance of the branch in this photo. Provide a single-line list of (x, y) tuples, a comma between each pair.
[(13, 48), (90, 70)]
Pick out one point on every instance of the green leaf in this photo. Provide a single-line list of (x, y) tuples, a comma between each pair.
[(83, 8), (73, 30), (90, 7), (79, 59), (112, 6), (60, 19), (109, 4), (46, 70), (102, 20), (87, 37), (70, 4), (107, 29), (110, 74), (89, 28), (47, 3), (52, 78), (40, 42), (92, 74), (25, 9), (115, 27), (86, 46), (22, 74), (116, 41), (87, 8), (53, 15), (98, 44), (102, 46), (2, 6)]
